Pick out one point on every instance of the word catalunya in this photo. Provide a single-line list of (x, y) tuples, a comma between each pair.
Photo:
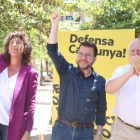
[(74, 38), (102, 52)]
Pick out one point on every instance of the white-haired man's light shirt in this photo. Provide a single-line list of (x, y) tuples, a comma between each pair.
[(127, 105)]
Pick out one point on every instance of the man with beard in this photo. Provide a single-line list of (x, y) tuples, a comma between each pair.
[(82, 92)]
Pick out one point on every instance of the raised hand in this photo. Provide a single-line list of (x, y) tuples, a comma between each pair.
[(135, 61), (55, 18)]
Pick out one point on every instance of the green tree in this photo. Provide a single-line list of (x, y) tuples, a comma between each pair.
[(31, 16), (112, 14)]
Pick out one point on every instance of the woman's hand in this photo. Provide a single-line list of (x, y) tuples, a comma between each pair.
[(26, 136)]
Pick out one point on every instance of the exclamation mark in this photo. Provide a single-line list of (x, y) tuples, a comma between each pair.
[(124, 51)]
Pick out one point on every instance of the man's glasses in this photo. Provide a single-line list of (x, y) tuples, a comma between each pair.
[(133, 51), (87, 55)]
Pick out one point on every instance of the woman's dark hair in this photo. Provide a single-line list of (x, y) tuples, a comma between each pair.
[(26, 57), (90, 44)]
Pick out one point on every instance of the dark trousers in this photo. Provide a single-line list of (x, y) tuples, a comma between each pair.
[(3, 132)]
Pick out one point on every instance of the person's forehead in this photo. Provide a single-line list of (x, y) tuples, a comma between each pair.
[(86, 48), (135, 44), (15, 38)]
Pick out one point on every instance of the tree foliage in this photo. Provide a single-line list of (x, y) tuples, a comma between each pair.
[(33, 17), (113, 14), (30, 16)]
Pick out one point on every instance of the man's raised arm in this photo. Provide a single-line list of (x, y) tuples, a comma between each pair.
[(55, 18)]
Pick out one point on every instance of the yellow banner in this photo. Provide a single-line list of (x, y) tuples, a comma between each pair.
[(112, 52)]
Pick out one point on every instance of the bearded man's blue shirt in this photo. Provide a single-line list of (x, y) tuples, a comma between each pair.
[(81, 99)]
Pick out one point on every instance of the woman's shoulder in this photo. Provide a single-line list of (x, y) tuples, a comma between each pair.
[(30, 69), (32, 74), (1, 56)]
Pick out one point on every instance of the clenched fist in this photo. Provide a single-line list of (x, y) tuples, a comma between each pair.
[(55, 18)]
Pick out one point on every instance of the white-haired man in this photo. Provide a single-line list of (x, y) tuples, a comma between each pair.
[(125, 85)]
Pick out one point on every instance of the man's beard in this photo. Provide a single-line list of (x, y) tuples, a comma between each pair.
[(86, 67)]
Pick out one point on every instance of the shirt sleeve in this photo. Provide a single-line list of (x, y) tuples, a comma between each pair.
[(30, 98), (117, 73), (61, 65), (101, 105)]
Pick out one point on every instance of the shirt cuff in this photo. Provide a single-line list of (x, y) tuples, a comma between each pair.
[(100, 121), (52, 47)]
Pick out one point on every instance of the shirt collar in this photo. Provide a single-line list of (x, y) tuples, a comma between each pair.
[(79, 71)]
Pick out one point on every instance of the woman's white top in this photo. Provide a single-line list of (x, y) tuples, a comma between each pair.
[(7, 86)]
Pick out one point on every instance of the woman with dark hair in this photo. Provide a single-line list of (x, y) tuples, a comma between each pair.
[(18, 87)]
